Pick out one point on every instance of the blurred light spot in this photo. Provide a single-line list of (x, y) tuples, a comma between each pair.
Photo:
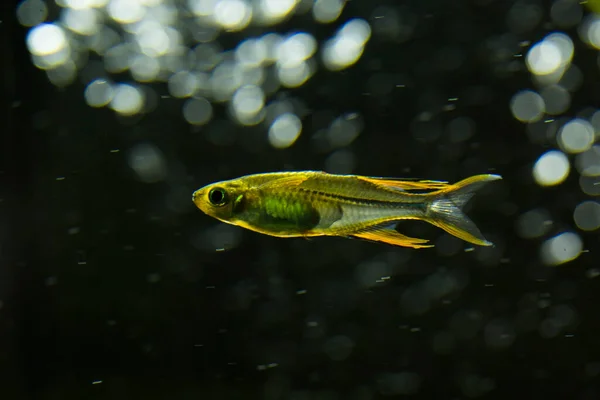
[(293, 76), (587, 215), (84, 22), (563, 315), (534, 224), (460, 129), (251, 76), (346, 47), (98, 93), (589, 30), (49, 43), (566, 13), (527, 106), (327, 11), (127, 99), (340, 162), (561, 249), (295, 49), (549, 328), (232, 14), (117, 58), (499, 334), (32, 12), (225, 80), (103, 40), (83, 4), (62, 75), (592, 273), (396, 384), (588, 162), (152, 38), (524, 16), (248, 101), (595, 121), (144, 68), (367, 274), (554, 52), (590, 185), (251, 52), (206, 56), (271, 41), (338, 348), (202, 8), (197, 111), (285, 130), (344, 129), (571, 79), (556, 98), (183, 84), (126, 11), (274, 11), (148, 163), (576, 136), (552, 168)]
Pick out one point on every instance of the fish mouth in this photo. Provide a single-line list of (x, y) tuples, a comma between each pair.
[(195, 196)]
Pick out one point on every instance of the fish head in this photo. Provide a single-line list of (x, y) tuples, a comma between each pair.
[(219, 200)]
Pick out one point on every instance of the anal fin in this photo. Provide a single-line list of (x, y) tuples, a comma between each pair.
[(390, 236)]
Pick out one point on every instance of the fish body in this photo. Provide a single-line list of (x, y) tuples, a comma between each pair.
[(314, 203)]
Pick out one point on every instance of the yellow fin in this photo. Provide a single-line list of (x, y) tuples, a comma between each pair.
[(407, 185), (391, 236), (285, 181), (445, 209)]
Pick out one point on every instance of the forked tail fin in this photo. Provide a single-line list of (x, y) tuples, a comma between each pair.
[(445, 209)]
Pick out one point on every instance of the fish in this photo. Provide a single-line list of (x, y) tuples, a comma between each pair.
[(316, 203)]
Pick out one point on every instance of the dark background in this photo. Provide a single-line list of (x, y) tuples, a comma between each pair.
[(111, 288)]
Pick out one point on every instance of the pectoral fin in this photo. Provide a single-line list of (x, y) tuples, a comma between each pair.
[(407, 185), (390, 236)]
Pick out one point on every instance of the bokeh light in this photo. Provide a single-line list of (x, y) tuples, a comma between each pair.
[(147, 40), (527, 106), (551, 169), (576, 136), (127, 99), (346, 47), (32, 12), (284, 130), (587, 215), (561, 249)]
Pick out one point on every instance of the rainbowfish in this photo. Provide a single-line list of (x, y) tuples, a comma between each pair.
[(314, 203)]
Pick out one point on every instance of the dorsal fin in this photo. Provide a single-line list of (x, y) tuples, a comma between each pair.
[(291, 180), (406, 184)]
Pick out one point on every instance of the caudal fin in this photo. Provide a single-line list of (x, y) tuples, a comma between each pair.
[(445, 209)]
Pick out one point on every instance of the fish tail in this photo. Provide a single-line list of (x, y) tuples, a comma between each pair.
[(445, 209)]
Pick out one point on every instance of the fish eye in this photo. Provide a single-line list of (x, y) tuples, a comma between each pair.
[(218, 197)]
